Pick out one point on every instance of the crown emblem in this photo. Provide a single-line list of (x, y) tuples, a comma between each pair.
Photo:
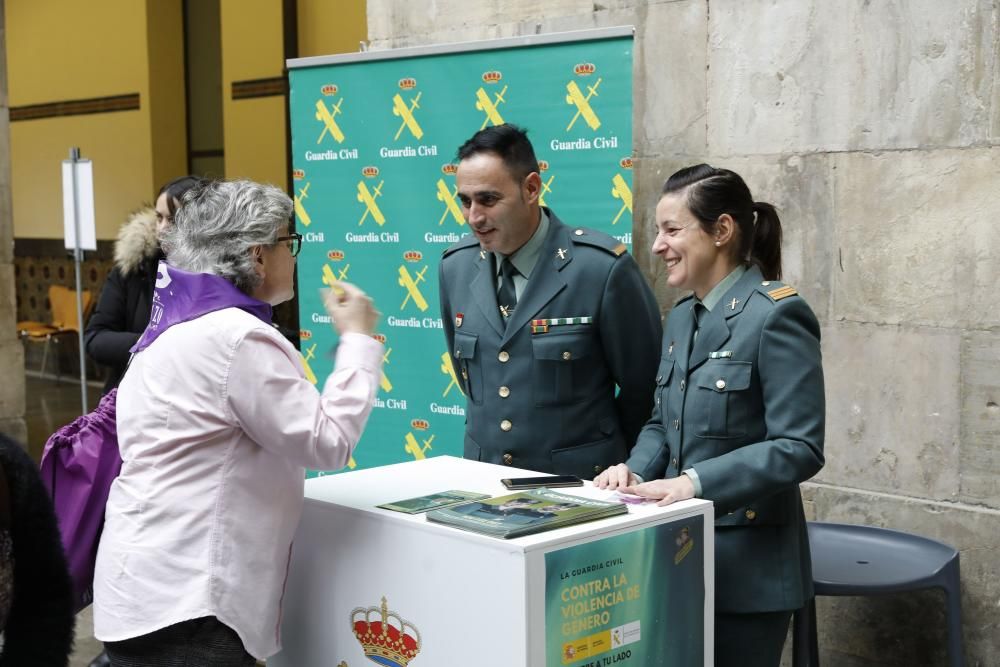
[(408, 82), (305, 334), (391, 642), (413, 255), (370, 172), (585, 69), (492, 76), (379, 337), (449, 168), (335, 255), (329, 89), (626, 163), (420, 424), (543, 165), (298, 174)]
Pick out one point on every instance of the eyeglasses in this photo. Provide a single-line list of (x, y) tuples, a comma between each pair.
[(294, 242)]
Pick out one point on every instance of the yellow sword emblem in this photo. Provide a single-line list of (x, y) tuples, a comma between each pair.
[(328, 117), (331, 281), (450, 205), (368, 198), (414, 448), (448, 369), (621, 191), (300, 210), (546, 189), (490, 107), (384, 382), (306, 358), (400, 109), (411, 288), (582, 104)]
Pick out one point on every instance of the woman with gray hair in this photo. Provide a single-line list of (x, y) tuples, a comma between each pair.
[(216, 424)]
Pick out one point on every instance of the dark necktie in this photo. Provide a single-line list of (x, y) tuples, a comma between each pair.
[(507, 295)]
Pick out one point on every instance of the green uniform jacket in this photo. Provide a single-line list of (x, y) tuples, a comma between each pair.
[(546, 400), (745, 409)]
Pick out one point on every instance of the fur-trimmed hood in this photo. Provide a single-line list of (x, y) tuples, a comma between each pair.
[(136, 240)]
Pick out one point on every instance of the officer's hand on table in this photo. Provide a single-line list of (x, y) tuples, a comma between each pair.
[(615, 477), (666, 491)]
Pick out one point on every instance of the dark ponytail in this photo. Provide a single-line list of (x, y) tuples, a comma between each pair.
[(712, 192), (765, 246)]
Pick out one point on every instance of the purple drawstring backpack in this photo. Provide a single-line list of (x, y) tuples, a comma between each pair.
[(79, 463)]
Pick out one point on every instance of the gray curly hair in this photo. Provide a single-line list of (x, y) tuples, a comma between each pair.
[(218, 223)]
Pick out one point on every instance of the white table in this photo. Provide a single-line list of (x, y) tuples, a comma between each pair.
[(461, 598)]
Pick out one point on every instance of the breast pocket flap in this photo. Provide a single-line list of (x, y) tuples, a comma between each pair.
[(465, 345), (724, 376), (563, 347)]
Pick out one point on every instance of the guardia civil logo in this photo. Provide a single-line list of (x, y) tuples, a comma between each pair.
[(407, 111), (575, 97), (327, 112), (411, 283), (369, 196), (302, 193), (620, 189), (415, 449), (489, 102), (449, 196)]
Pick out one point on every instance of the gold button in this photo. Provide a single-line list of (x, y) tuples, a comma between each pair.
[(766, 283), (567, 355), (598, 469), (674, 462), (683, 384), (751, 515), (677, 424), (465, 374), (507, 459), (579, 232), (658, 378), (657, 400), (720, 384), (505, 425), (504, 356), (504, 392)]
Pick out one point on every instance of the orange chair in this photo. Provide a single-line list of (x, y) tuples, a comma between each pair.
[(62, 301)]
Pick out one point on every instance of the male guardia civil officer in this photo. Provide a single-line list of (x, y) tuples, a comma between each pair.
[(543, 321)]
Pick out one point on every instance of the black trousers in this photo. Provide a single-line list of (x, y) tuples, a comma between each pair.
[(750, 640), (200, 642)]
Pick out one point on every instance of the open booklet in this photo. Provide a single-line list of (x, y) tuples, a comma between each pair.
[(525, 513)]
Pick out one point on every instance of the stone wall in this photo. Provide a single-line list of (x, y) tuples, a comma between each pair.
[(11, 352), (875, 127)]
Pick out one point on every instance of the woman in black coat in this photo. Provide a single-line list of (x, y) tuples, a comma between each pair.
[(122, 312)]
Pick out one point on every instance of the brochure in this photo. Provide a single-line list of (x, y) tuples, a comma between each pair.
[(525, 513), (433, 501)]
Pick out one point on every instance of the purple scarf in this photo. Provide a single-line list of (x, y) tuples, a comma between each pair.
[(181, 296)]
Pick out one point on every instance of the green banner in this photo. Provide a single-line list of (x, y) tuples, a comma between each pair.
[(373, 146), (632, 600)]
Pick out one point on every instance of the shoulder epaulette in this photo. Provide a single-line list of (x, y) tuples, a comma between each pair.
[(466, 242), (776, 290), (591, 237)]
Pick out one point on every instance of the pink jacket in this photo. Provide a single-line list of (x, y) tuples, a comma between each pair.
[(216, 423)]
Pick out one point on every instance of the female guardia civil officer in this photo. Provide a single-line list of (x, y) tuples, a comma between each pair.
[(738, 417)]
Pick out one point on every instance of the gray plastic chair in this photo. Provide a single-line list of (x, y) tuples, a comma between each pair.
[(862, 560)]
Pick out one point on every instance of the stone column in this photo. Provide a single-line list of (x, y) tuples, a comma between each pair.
[(11, 351)]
